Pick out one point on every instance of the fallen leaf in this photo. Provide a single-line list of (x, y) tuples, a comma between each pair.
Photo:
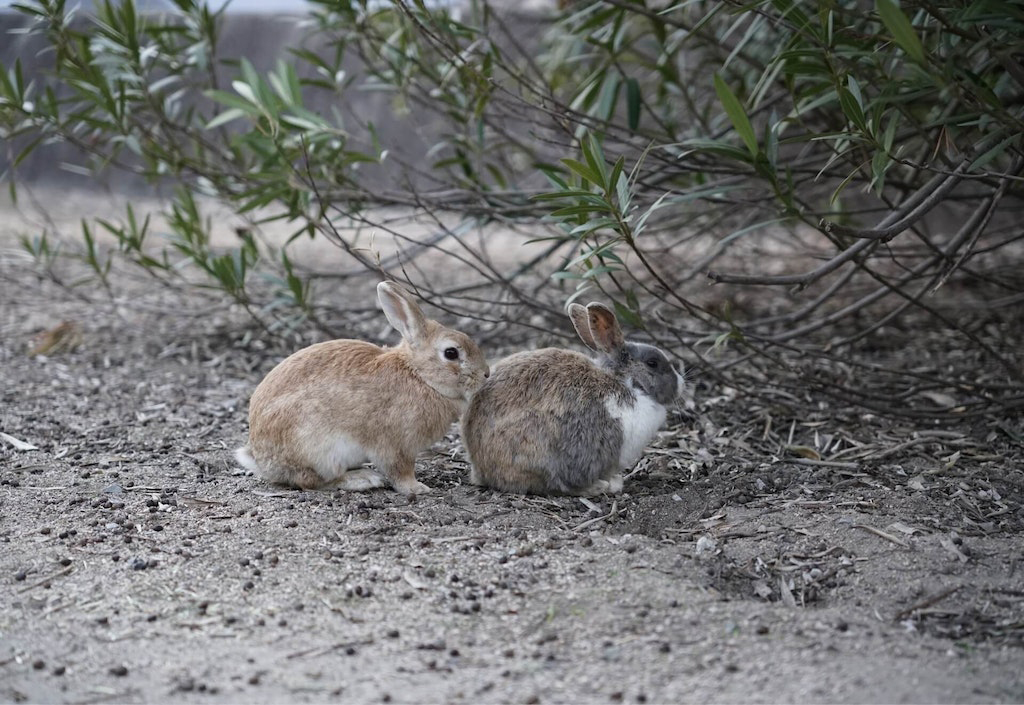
[(804, 452), (18, 445), (951, 549), (413, 581), (940, 399), (62, 338), (903, 528)]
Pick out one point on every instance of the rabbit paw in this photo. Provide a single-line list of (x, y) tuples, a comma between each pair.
[(412, 487), (361, 480)]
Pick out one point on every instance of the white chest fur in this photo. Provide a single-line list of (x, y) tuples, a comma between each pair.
[(640, 421)]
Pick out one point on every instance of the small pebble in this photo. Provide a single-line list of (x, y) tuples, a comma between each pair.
[(119, 671), (59, 671), (65, 562), (39, 664), (20, 575)]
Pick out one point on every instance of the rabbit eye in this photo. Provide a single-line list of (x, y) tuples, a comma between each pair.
[(652, 362), (451, 354)]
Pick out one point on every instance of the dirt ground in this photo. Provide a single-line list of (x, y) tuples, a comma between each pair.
[(139, 564)]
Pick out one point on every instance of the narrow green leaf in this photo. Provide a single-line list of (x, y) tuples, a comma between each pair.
[(734, 109), (583, 170), (225, 117), (232, 101), (902, 31), (632, 103), (594, 155), (851, 109), (246, 91), (609, 96), (630, 317), (994, 151)]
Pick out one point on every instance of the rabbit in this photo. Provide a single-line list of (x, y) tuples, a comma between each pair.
[(328, 408), (554, 421)]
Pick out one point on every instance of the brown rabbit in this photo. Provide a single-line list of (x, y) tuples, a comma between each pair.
[(327, 409), (556, 422)]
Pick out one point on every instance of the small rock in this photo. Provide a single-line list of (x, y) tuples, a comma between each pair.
[(119, 671), (113, 489), (705, 547), (39, 664)]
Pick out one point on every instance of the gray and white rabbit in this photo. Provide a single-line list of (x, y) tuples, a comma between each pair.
[(554, 421)]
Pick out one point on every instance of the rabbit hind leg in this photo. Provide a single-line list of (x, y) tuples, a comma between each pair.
[(360, 480)]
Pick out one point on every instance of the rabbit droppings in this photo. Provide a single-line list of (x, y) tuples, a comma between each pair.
[(554, 421), (328, 408)]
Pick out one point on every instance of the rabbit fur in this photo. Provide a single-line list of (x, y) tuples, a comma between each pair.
[(328, 408), (554, 421)]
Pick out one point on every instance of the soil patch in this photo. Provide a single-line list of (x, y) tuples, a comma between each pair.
[(139, 564)]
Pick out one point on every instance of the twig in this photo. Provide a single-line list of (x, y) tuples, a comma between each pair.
[(321, 650), (882, 534), (825, 463), (927, 602), (595, 520), (44, 581)]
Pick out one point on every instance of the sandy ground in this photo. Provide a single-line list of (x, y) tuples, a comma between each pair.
[(138, 564)]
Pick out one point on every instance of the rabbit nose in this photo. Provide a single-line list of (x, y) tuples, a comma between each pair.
[(487, 372)]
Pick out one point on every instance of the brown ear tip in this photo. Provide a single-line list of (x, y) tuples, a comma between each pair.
[(597, 305)]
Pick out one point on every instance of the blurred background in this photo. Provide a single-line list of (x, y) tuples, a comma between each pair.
[(811, 203)]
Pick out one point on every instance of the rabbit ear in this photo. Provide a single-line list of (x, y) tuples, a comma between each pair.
[(604, 328), (581, 322), (402, 312)]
